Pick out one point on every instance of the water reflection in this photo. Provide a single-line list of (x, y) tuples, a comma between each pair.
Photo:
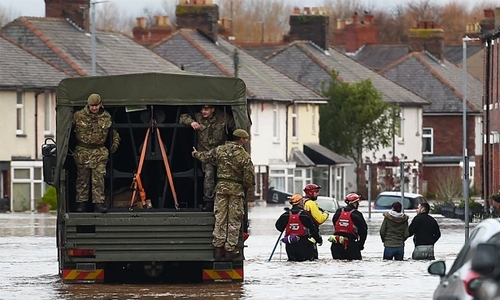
[(27, 224), (202, 291)]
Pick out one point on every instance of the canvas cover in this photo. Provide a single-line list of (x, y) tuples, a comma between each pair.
[(145, 89)]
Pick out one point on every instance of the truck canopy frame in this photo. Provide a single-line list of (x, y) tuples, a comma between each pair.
[(145, 89)]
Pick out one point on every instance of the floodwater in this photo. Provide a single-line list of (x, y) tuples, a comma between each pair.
[(29, 266)]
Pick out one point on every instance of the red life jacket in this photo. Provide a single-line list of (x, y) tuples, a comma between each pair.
[(295, 226), (345, 224)]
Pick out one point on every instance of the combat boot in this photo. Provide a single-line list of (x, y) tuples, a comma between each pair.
[(81, 207), (99, 207), (217, 253), (230, 255), (209, 206)]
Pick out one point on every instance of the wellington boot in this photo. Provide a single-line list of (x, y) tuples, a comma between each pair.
[(217, 253), (99, 207)]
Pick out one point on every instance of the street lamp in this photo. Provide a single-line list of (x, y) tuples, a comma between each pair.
[(464, 131), (92, 33)]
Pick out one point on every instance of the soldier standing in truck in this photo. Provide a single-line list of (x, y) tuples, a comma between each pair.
[(235, 175), (212, 127), (92, 125)]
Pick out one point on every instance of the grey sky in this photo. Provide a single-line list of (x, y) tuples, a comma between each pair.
[(36, 8)]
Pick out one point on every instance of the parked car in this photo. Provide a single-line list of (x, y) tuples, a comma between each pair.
[(385, 199), (461, 281), (329, 204), (486, 262)]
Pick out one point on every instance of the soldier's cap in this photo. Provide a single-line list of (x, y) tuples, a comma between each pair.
[(240, 133), (208, 106), (94, 99)]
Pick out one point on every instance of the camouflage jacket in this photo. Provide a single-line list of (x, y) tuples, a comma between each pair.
[(92, 129), (235, 171), (213, 131)]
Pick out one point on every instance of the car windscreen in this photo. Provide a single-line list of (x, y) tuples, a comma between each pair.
[(386, 201)]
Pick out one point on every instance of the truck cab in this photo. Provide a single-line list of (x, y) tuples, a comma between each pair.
[(169, 238)]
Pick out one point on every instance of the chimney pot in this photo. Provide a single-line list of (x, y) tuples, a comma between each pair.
[(296, 10), (355, 19), (307, 10), (315, 11), (322, 11)]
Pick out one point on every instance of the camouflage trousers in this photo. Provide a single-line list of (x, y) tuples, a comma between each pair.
[(91, 169), (229, 213), (208, 182)]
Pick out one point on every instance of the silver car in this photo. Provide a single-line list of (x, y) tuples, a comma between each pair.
[(460, 281)]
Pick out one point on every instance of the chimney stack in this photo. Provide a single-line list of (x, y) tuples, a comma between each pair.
[(309, 26), (78, 11), (427, 36), (488, 23), (202, 15), (357, 34)]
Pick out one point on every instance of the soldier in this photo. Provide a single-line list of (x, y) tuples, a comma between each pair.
[(92, 124), (235, 175), (212, 127)]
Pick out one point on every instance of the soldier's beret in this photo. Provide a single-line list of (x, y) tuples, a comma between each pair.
[(94, 99), (240, 133)]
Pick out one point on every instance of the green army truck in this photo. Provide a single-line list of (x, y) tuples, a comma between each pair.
[(169, 239)]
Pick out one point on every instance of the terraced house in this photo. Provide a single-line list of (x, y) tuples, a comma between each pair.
[(284, 112), (36, 53)]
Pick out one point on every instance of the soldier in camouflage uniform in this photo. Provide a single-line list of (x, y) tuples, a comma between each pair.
[(212, 127), (235, 175), (92, 125)]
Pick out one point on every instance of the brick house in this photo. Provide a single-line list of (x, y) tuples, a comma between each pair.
[(491, 170), (429, 74)]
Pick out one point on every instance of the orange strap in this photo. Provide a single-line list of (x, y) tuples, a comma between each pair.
[(137, 183), (167, 168)]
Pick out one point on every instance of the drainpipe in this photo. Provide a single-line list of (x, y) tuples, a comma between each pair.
[(286, 129), (486, 154)]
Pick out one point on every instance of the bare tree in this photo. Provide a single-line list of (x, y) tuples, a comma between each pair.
[(256, 20), (110, 17), (454, 20), (7, 14), (424, 10)]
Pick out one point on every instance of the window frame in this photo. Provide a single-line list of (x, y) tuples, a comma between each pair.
[(20, 113), (276, 123), (47, 125), (428, 136)]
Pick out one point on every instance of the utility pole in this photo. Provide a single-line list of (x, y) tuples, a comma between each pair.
[(464, 133)]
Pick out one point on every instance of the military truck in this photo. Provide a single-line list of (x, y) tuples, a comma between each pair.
[(168, 240)]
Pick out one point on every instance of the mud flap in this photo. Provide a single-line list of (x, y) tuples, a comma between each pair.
[(223, 271)]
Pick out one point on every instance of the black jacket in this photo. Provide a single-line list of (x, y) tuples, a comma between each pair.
[(425, 228), (305, 218), (358, 220)]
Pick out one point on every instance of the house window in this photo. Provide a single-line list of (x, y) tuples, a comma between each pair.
[(281, 178), (398, 125), (294, 123), (48, 113), (427, 141), (320, 177), (276, 123), (338, 183), (302, 177), (20, 113), (27, 185)]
